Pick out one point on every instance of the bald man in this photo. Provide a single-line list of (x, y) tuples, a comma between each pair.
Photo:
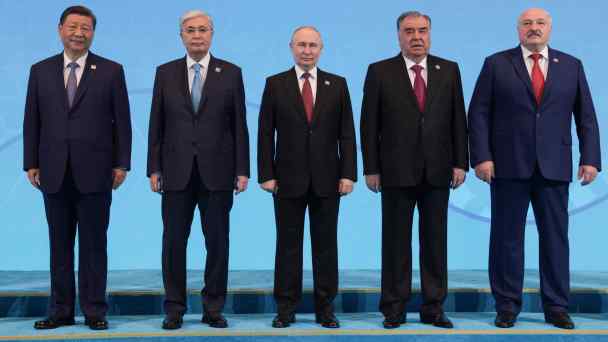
[(520, 120), (311, 164)]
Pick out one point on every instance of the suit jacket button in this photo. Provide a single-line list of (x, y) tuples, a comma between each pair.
[(538, 115)]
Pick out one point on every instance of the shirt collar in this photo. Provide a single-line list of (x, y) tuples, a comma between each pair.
[(81, 61), (544, 52), (203, 62), (409, 63), (300, 72)]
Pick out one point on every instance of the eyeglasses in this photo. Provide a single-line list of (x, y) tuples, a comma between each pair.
[(193, 30)]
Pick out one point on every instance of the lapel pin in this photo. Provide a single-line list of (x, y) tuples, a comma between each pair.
[(437, 66), (555, 60), (327, 83), (218, 69), (93, 67)]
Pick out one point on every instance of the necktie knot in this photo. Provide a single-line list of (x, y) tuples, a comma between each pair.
[(306, 75), (536, 57), (73, 65), (417, 68), (197, 67)]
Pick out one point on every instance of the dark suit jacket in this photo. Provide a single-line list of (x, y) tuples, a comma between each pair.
[(509, 128), (95, 134), (318, 154), (217, 133), (398, 141)]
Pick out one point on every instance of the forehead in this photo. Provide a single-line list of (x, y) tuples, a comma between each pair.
[(197, 21), (534, 14), (306, 35), (414, 22), (78, 19)]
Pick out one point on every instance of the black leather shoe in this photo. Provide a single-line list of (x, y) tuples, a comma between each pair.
[(439, 320), (327, 320), (215, 320), (283, 320), (52, 323), (393, 322), (96, 323), (172, 322), (505, 319), (559, 319)]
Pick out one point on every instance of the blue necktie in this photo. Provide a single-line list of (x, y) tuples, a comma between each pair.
[(197, 87), (71, 84)]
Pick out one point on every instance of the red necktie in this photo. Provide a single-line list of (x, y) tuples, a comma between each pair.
[(419, 86), (307, 97), (538, 80)]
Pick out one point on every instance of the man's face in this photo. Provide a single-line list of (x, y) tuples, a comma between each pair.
[(306, 48), (76, 34), (415, 37), (197, 34), (534, 28)]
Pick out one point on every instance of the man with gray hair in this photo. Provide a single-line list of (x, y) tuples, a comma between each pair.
[(311, 163), (198, 153), (414, 142)]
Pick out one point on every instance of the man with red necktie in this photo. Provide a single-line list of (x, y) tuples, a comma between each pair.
[(312, 163), (414, 142), (520, 121)]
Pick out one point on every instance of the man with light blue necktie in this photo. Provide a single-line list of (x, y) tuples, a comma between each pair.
[(198, 153)]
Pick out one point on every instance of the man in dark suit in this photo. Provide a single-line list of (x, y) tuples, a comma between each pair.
[(198, 152), (414, 142), (77, 148), (520, 119), (311, 164)]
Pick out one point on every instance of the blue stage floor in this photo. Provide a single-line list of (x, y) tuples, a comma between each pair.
[(355, 327)]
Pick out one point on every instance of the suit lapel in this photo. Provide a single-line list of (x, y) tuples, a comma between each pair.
[(520, 68), (60, 80), (213, 77), (404, 82), (88, 74), (293, 89), (434, 76), (181, 72), (552, 66), (322, 87)]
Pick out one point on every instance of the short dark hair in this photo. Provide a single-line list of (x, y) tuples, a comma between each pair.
[(414, 14), (79, 10)]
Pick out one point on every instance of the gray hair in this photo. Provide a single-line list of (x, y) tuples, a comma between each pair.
[(414, 14), (549, 18), (195, 14), (300, 28)]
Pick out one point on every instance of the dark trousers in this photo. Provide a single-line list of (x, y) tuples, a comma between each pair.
[(67, 211), (178, 212), (397, 215), (510, 201), (289, 215)]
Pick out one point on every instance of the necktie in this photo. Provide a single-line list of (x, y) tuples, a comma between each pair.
[(419, 86), (307, 97), (72, 84), (538, 80), (197, 87)]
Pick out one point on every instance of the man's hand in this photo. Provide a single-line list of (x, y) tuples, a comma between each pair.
[(156, 182), (240, 184), (270, 186), (33, 175), (373, 182), (118, 176), (485, 171), (345, 186), (587, 173), (458, 177)]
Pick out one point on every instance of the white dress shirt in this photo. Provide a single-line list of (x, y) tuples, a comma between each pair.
[(204, 68), (312, 80), (412, 74), (81, 61), (543, 62)]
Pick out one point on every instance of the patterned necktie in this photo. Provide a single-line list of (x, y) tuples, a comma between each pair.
[(72, 83), (419, 86), (307, 97), (197, 87), (538, 80)]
